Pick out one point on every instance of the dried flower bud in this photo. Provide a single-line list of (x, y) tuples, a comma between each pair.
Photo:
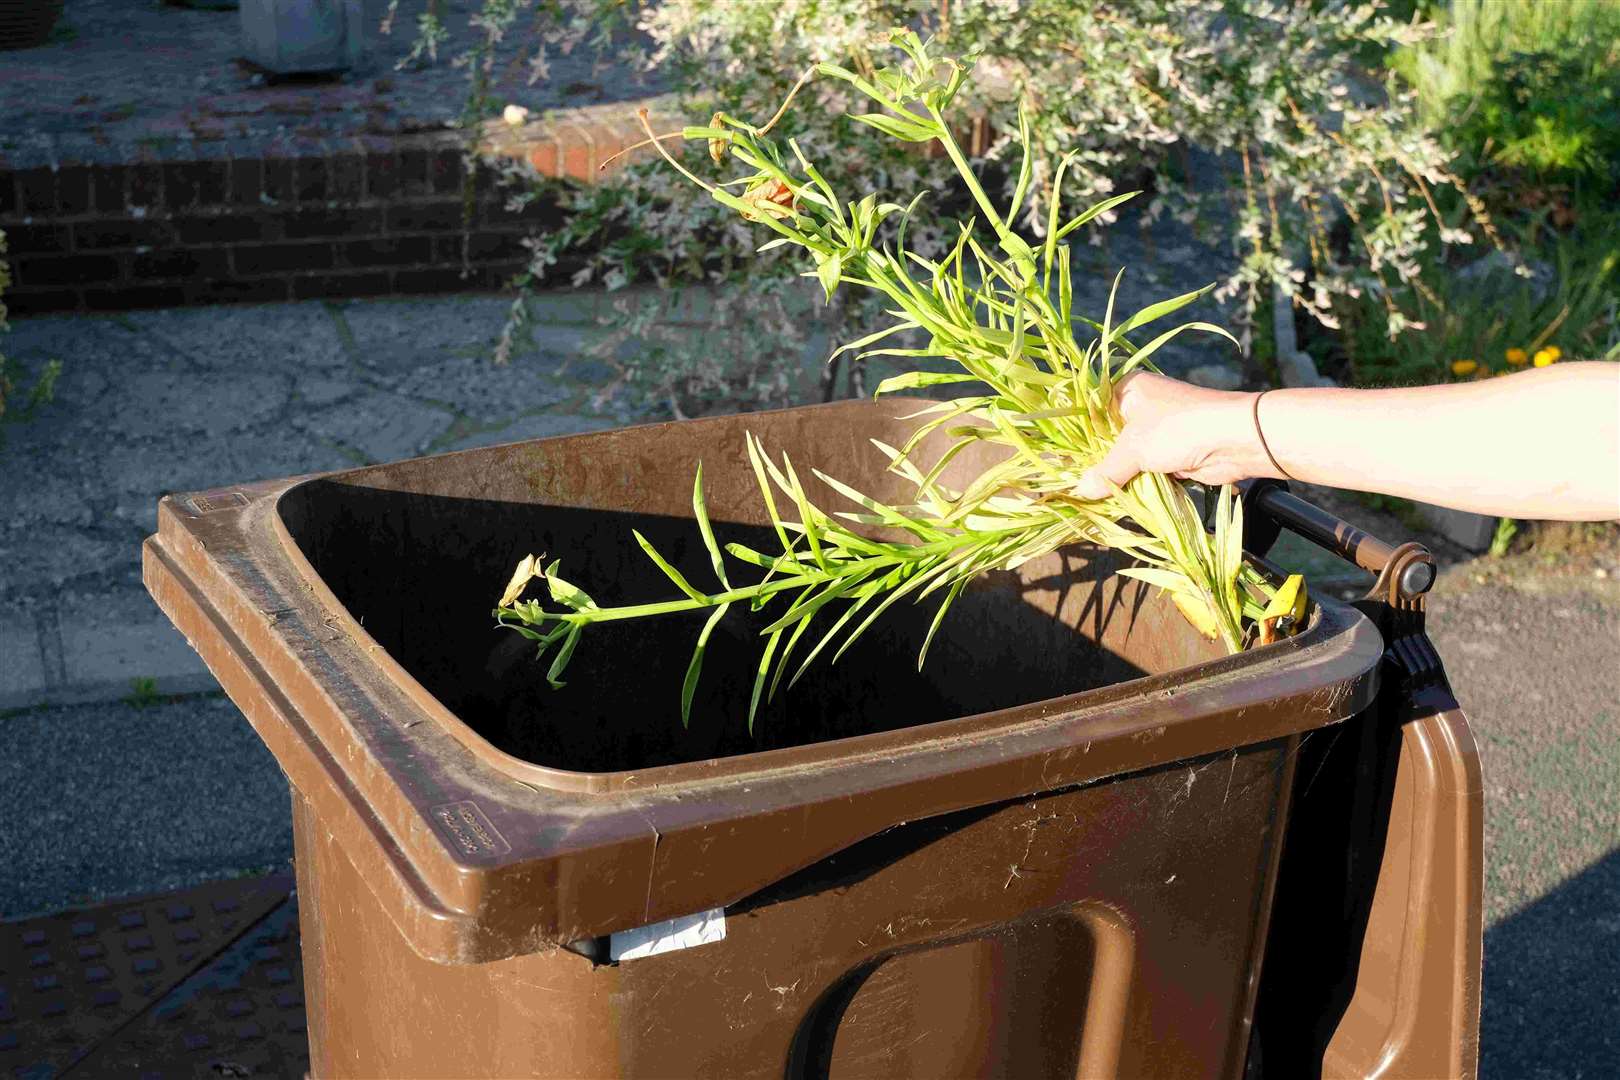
[(770, 198), (717, 147), (526, 571)]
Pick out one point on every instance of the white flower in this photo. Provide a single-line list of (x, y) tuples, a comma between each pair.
[(515, 115)]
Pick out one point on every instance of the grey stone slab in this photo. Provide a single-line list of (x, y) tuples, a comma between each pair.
[(110, 640), (43, 498), (483, 391), (578, 307), (590, 307), (320, 390), (293, 338), (144, 472), (567, 350), (41, 337), (22, 668), (163, 402), (380, 426), (37, 559), (172, 73), (532, 427), (393, 336)]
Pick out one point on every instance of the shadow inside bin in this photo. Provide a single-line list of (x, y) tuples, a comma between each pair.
[(421, 572), (1551, 1003)]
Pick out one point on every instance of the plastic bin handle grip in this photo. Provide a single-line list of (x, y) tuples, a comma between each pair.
[(1284, 509)]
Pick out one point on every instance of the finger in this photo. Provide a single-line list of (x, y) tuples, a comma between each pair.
[(1114, 470)]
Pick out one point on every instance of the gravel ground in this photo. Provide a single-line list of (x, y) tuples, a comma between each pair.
[(115, 800)]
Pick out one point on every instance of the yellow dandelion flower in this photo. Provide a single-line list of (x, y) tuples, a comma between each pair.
[(1516, 357), (1544, 357), (1463, 367)]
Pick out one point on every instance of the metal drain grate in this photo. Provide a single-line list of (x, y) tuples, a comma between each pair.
[(203, 982)]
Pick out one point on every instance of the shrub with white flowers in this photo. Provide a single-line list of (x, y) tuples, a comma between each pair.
[(1332, 183)]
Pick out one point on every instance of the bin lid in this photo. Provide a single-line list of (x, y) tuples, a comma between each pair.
[(478, 855)]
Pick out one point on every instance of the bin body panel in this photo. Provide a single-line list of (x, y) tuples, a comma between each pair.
[(1105, 930)]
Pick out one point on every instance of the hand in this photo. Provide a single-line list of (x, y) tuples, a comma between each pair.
[(1187, 431)]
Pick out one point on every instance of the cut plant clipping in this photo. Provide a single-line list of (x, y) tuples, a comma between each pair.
[(1039, 380)]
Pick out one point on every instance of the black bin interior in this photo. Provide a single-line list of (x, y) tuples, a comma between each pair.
[(421, 571)]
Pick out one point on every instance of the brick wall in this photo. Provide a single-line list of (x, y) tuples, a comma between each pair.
[(364, 217)]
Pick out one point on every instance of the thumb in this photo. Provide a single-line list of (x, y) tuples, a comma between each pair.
[(1116, 469)]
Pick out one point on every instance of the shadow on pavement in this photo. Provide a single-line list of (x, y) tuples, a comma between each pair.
[(1552, 983)]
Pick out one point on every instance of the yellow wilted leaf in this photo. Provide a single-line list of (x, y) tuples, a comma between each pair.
[(1287, 605), (1196, 609)]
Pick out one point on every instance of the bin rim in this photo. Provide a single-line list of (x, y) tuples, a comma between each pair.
[(476, 860), (1328, 619)]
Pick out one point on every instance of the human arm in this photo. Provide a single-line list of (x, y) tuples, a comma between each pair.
[(1540, 444)]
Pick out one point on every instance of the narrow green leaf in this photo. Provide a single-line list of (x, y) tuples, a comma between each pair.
[(560, 662), (756, 458), (894, 127), (1158, 311), (1140, 356), (700, 510), (1100, 208), (1026, 163), (939, 617), (759, 677), (913, 380), (1170, 580), (849, 613), (807, 513), (695, 668), (669, 571)]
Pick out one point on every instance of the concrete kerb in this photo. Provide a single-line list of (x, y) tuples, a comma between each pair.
[(82, 653)]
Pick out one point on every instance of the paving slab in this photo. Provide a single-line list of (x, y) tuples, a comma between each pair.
[(543, 426), (36, 560), (161, 403), (22, 668), (393, 336), (299, 339), (146, 471), (380, 426), (481, 391), (111, 641)]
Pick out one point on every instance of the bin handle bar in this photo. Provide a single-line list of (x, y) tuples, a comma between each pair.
[(1413, 577)]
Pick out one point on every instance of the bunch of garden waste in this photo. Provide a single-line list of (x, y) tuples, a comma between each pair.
[(1044, 378)]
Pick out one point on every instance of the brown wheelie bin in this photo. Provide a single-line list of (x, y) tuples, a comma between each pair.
[(1080, 841)]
